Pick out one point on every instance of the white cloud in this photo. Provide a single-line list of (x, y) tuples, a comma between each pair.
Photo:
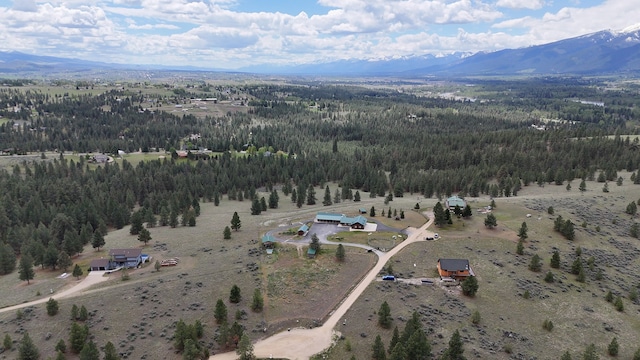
[(521, 4), (25, 5)]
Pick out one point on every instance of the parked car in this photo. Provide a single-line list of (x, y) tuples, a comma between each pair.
[(429, 238), (389, 277)]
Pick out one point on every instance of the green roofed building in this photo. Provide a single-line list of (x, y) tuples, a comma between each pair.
[(455, 200)]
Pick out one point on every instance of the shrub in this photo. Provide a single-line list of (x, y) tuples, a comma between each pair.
[(619, 304), (470, 286), (549, 277), (526, 294), (609, 296), (475, 317), (547, 325), (535, 264), (612, 349)]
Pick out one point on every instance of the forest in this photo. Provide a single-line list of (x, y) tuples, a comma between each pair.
[(387, 140)]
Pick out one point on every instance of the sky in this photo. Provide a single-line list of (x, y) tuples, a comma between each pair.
[(231, 34)]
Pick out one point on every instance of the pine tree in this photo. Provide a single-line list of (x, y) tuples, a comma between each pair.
[(490, 221), (257, 303), (439, 215), (89, 351), (340, 253), (235, 222), (536, 264), (583, 186), (64, 261), (234, 296), (83, 314), (136, 223), (273, 199), (418, 347), (522, 233), (27, 350), (315, 243), (256, 208), (470, 286), (263, 204), (52, 307), (311, 195), (220, 312), (227, 233), (336, 196), (173, 217), (327, 197), (455, 349), (384, 315), (613, 347), (398, 353), (590, 353), (555, 260), (378, 352), (97, 240), (7, 259), (77, 337), (144, 236), (110, 352), (372, 212), (520, 248), (26, 268), (77, 272), (356, 196), (395, 338), (245, 348)]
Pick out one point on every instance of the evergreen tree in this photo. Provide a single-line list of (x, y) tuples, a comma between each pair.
[(64, 261), (245, 348), (536, 264), (77, 272), (356, 196), (336, 196), (340, 253), (7, 343), (256, 208), (522, 233), (257, 303), (227, 233), (372, 212), (235, 222), (378, 352), (110, 352), (83, 314), (455, 349), (74, 312), (555, 260), (583, 186), (590, 353), (26, 268), (7, 259), (27, 350), (52, 307), (220, 312), (520, 248), (634, 231), (263, 204), (77, 337), (315, 243), (173, 217), (395, 338), (418, 347), (144, 236), (273, 199), (399, 353), (384, 315), (327, 197), (89, 351), (490, 221), (234, 296), (136, 223), (97, 240), (613, 347), (470, 286), (190, 350), (164, 216), (440, 218), (311, 195), (566, 356)]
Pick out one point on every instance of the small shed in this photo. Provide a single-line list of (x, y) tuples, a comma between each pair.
[(268, 241), (303, 230), (362, 211), (311, 253)]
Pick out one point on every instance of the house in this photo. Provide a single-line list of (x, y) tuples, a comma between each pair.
[(454, 268), (128, 258), (100, 158), (358, 222), (100, 265), (303, 230), (455, 200), (268, 241), (329, 218)]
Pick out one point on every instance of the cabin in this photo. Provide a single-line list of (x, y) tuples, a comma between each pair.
[(303, 230), (268, 241), (454, 201), (454, 268), (127, 258)]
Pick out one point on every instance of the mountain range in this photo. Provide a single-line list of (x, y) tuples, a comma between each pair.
[(605, 52)]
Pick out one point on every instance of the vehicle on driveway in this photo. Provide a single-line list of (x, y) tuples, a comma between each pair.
[(389, 278)]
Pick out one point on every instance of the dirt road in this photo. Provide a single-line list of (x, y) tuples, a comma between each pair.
[(93, 278), (299, 344)]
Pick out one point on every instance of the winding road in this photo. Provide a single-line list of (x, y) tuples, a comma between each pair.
[(302, 343)]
